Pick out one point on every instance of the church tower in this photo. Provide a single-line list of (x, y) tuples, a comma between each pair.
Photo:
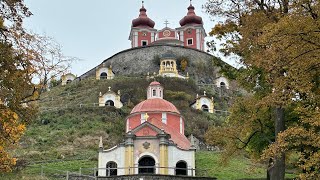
[(192, 32), (142, 31)]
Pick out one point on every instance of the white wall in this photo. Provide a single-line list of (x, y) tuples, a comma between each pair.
[(116, 154), (175, 155)]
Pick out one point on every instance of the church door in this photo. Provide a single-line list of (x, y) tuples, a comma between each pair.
[(146, 165), (205, 108), (103, 75), (109, 103)]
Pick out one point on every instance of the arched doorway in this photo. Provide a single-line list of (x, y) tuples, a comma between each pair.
[(147, 165), (103, 75), (109, 103), (222, 84), (205, 108), (112, 169), (69, 81), (181, 168)]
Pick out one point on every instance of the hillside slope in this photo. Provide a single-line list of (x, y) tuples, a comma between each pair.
[(70, 122)]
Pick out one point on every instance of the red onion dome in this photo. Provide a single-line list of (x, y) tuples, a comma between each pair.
[(191, 17), (143, 19), (155, 105)]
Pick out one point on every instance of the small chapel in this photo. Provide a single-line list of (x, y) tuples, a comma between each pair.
[(154, 142)]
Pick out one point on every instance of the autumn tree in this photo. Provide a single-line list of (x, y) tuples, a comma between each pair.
[(278, 43), (15, 82), (24, 58)]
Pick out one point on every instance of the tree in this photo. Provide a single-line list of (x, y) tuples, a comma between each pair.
[(24, 58), (278, 43)]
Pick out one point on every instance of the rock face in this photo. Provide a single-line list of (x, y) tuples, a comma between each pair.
[(139, 61)]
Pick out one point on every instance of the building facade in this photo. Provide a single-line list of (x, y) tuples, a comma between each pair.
[(154, 143), (191, 32)]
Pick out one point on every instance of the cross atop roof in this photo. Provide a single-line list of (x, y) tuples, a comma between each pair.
[(166, 22)]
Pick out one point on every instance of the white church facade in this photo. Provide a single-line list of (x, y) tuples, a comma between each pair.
[(154, 143)]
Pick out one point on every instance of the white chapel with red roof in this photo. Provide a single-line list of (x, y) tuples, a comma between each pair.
[(154, 143)]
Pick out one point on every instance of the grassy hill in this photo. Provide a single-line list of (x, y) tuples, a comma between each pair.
[(65, 135)]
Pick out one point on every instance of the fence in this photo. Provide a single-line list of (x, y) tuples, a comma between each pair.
[(47, 173), (143, 170)]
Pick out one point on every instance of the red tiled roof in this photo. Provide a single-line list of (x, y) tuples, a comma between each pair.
[(155, 105), (180, 139)]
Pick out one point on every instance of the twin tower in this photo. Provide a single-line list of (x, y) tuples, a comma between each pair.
[(190, 33)]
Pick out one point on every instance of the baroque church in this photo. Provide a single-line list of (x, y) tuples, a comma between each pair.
[(155, 142)]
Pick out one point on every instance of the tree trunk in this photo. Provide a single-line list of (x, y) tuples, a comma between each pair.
[(276, 169)]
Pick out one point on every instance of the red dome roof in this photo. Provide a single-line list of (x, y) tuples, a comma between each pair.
[(155, 105), (143, 19), (191, 17)]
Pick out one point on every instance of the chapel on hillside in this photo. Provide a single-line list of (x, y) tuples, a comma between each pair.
[(154, 142)]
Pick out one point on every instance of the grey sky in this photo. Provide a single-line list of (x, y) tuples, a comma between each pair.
[(95, 30)]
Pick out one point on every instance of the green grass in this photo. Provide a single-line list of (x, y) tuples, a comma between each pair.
[(209, 164), (53, 170), (238, 167)]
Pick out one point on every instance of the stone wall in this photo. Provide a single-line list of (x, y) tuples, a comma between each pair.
[(139, 61), (141, 177), (155, 177)]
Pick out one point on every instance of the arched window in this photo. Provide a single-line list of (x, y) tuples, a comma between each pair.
[(181, 168), (154, 93), (103, 75), (205, 108), (146, 165), (69, 81), (109, 103), (112, 169), (222, 84)]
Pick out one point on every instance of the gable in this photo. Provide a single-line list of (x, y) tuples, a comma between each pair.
[(147, 127), (146, 131)]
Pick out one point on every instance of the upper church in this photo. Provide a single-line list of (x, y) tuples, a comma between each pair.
[(169, 52), (190, 33)]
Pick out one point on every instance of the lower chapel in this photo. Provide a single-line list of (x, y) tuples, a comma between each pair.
[(154, 141)]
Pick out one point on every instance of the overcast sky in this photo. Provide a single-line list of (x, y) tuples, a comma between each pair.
[(95, 30)]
